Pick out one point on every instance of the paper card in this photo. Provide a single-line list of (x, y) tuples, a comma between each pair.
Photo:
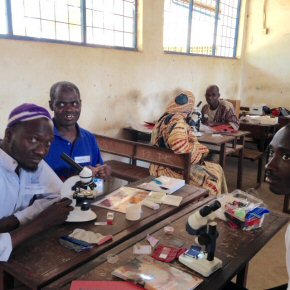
[(172, 200), (152, 241), (142, 249), (156, 197)]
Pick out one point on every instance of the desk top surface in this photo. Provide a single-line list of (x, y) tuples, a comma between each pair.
[(215, 139), (245, 124), (234, 247), (208, 138), (42, 259)]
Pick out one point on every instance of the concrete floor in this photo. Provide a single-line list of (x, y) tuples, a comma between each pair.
[(268, 268)]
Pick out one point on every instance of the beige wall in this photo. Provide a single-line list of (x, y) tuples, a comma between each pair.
[(118, 87), (265, 69)]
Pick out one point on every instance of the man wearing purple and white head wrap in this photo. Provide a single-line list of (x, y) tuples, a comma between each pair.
[(27, 112), (29, 199)]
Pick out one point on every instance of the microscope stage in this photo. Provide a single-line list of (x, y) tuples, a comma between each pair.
[(201, 266)]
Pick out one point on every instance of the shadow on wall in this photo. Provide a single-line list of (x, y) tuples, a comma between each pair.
[(266, 72), (261, 87)]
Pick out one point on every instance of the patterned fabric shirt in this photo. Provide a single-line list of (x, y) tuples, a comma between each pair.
[(225, 113)]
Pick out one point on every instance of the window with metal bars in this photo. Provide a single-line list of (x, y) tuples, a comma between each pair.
[(202, 27), (90, 22)]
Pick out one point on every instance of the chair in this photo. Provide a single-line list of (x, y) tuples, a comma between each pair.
[(236, 104)]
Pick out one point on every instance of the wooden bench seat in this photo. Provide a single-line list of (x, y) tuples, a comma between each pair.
[(135, 151), (127, 171)]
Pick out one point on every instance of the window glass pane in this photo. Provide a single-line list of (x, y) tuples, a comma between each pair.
[(175, 25), (61, 14), (33, 27), (119, 23), (128, 40), (3, 18), (119, 39), (51, 19), (75, 33), (48, 29), (202, 28), (128, 25), (62, 31), (47, 10), (110, 20), (74, 16), (210, 27), (226, 28), (129, 8), (31, 8)]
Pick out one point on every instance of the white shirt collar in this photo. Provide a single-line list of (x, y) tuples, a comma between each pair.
[(7, 162)]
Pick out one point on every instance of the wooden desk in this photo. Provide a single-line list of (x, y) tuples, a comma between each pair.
[(234, 247), (260, 132), (227, 144), (219, 142), (42, 259)]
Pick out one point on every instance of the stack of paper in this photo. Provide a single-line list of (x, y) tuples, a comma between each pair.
[(162, 197)]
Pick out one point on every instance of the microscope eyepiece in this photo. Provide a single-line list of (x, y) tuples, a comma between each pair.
[(208, 209), (215, 205)]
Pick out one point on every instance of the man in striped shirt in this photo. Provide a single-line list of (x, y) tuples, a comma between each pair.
[(218, 112)]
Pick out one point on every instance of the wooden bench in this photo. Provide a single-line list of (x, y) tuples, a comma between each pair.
[(136, 151)]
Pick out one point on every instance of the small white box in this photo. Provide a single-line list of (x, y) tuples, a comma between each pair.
[(256, 110)]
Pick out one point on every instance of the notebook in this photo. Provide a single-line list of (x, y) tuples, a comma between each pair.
[(104, 285)]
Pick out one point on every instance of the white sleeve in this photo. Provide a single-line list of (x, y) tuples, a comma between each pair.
[(5, 246), (52, 186), (39, 205)]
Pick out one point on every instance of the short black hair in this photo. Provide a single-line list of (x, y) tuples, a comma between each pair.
[(213, 87), (63, 86)]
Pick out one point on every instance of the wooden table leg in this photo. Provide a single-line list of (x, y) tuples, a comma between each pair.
[(242, 276), (223, 155), (240, 164), (286, 204), (6, 281), (240, 169)]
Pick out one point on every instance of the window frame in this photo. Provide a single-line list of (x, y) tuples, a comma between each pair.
[(190, 12), (12, 36)]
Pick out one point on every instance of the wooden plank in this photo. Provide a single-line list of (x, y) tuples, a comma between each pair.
[(115, 146), (160, 156)]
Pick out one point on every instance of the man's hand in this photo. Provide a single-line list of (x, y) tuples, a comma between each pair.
[(101, 171), (53, 215), (56, 213)]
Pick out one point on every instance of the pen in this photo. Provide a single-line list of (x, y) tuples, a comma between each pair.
[(160, 184)]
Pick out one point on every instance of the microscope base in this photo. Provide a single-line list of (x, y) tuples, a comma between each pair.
[(201, 266)]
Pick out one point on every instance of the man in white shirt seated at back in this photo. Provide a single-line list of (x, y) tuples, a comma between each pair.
[(30, 190)]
